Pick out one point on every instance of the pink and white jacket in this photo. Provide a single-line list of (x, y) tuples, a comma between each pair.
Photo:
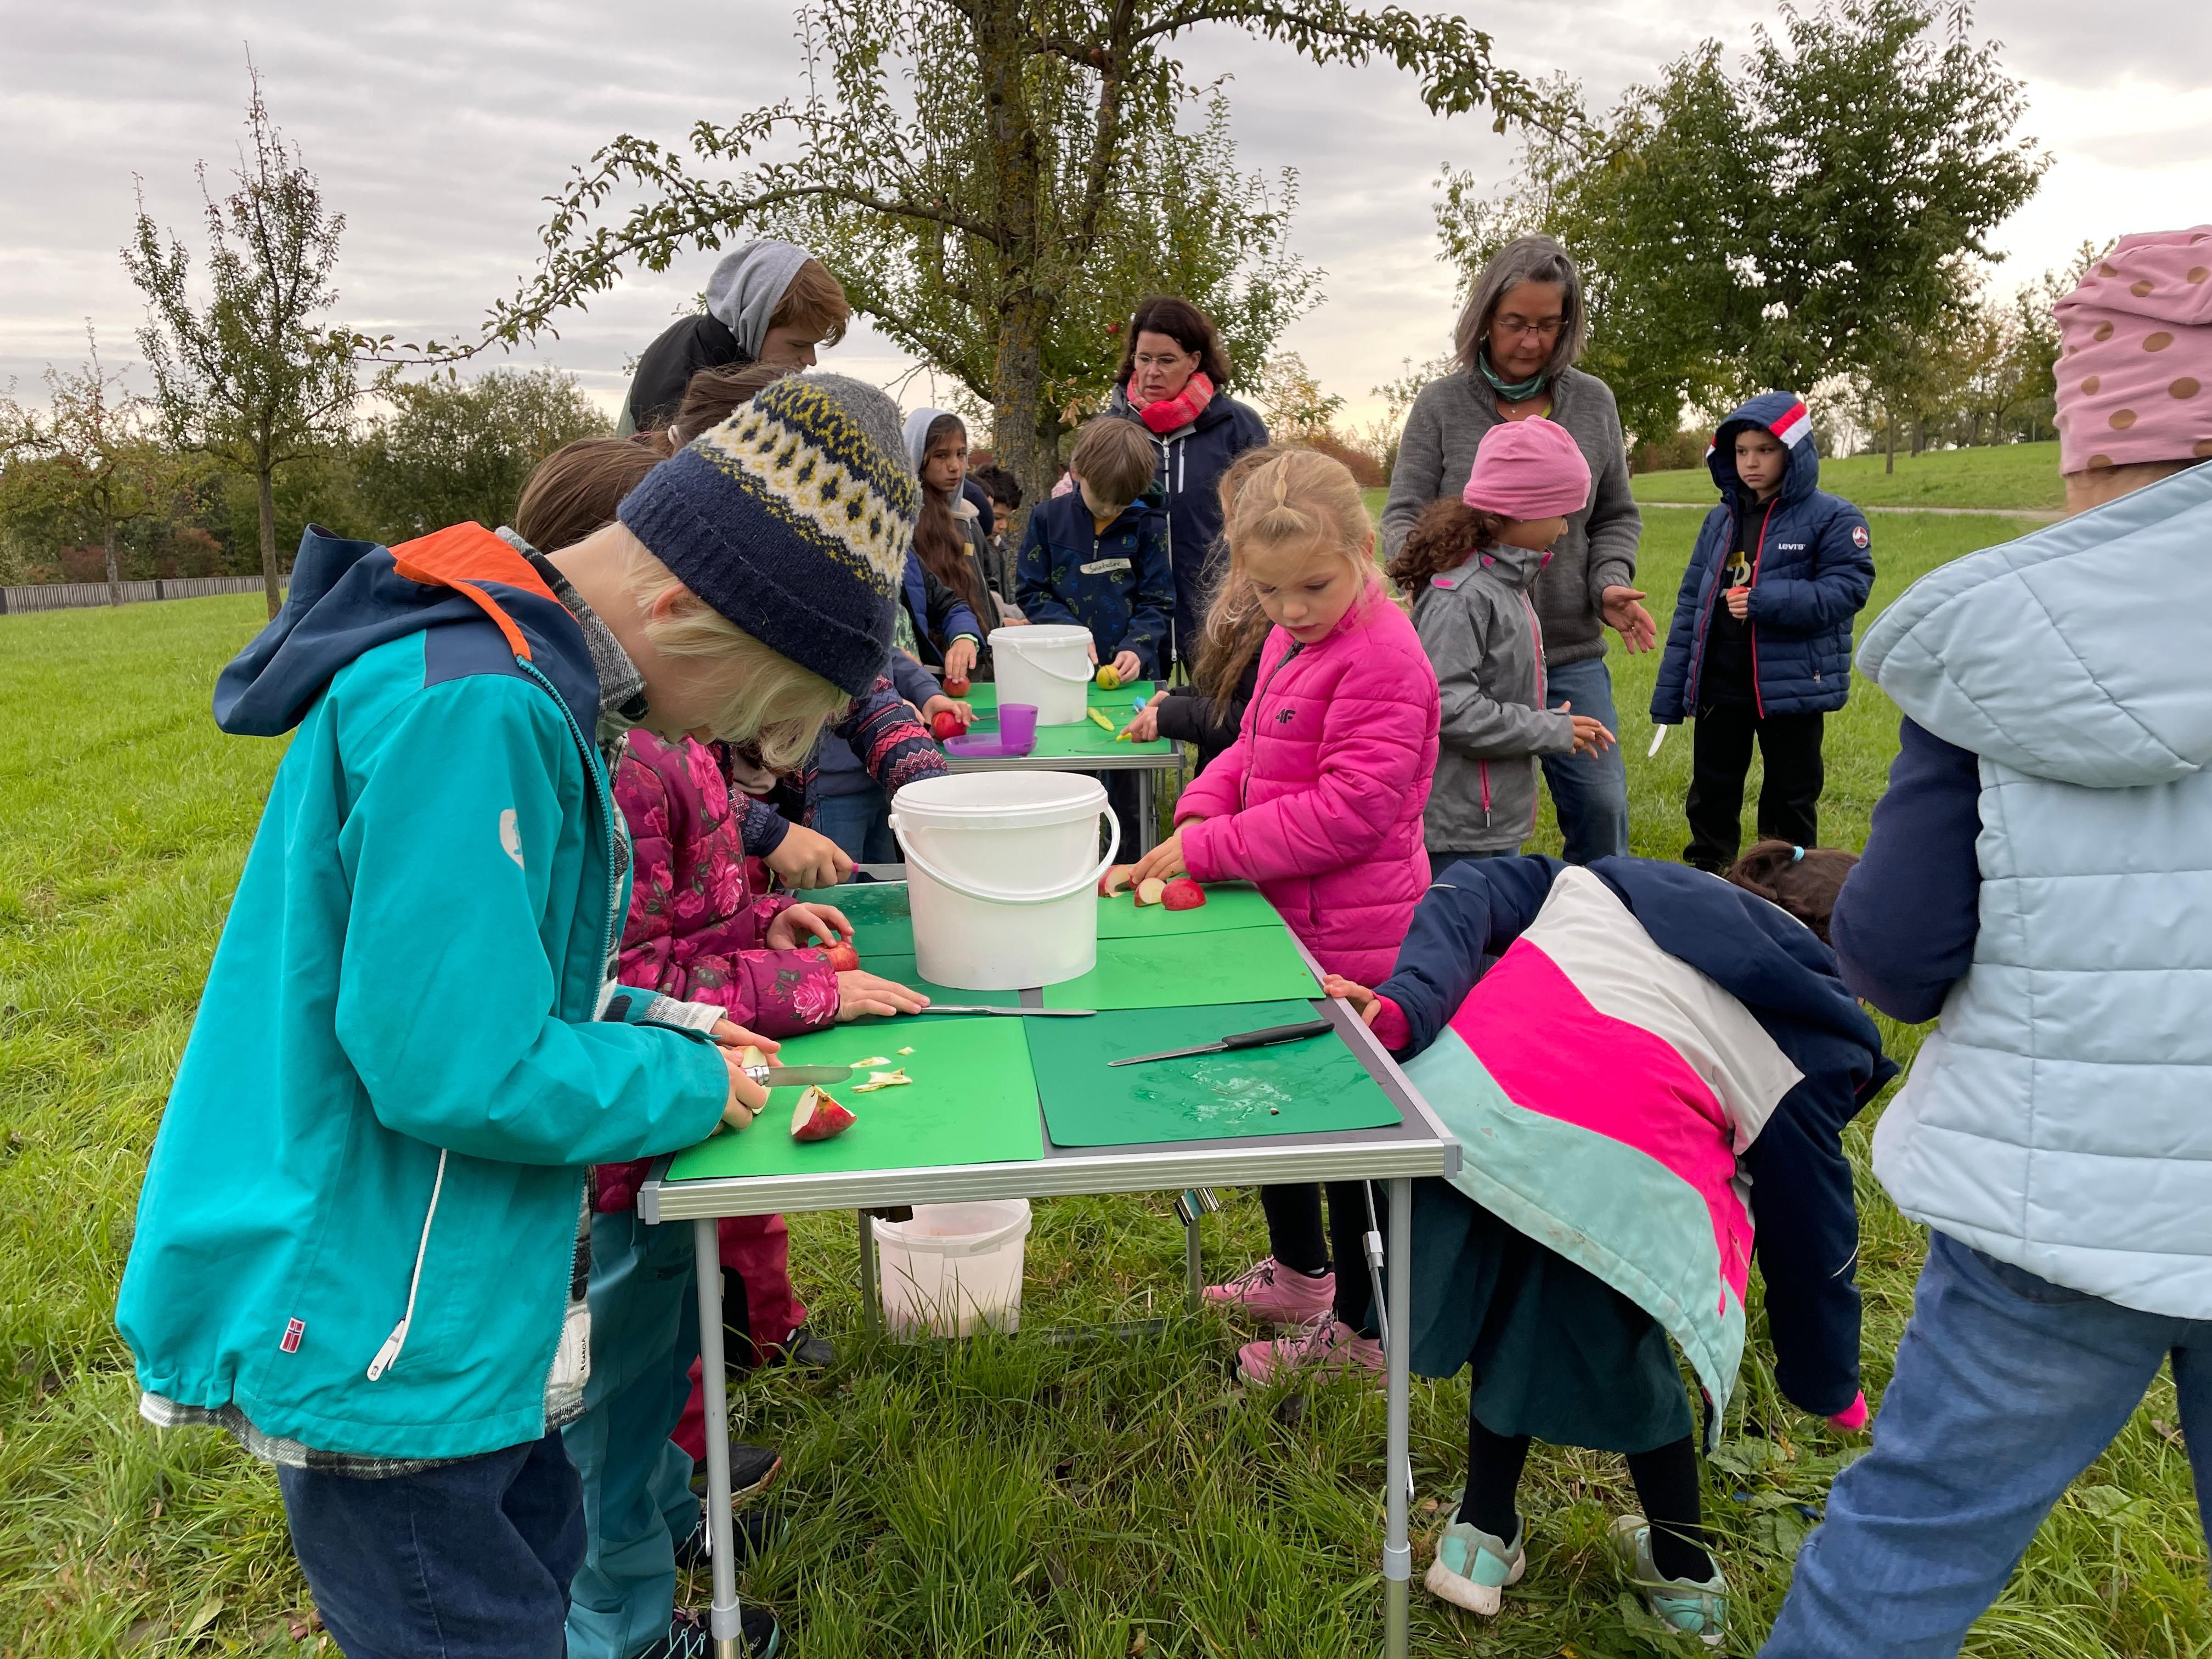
[(1319, 798)]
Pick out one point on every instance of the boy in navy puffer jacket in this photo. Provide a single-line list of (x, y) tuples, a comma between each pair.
[(1760, 648)]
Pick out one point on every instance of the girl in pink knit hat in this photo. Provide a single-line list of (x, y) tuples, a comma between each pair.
[(1467, 566)]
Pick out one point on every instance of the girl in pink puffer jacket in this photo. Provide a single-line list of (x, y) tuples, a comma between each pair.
[(1320, 802)]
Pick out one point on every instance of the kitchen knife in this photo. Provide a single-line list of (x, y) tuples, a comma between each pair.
[(1016, 1013), (781, 1077), (1264, 1038)]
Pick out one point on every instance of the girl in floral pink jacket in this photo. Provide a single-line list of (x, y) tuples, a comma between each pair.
[(1320, 802)]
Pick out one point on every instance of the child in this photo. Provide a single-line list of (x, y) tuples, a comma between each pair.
[(950, 538), (1618, 1039), (1760, 647), (1098, 558), (2037, 880), (1468, 566), (769, 301), (357, 1246), (1319, 800)]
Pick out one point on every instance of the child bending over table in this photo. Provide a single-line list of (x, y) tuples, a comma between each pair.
[(1319, 801)]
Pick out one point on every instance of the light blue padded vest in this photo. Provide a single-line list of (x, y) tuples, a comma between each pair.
[(2060, 1116)]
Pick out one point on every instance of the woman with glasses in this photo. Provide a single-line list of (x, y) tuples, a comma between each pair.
[(1516, 341)]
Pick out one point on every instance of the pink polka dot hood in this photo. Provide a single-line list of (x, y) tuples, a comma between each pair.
[(2134, 364)]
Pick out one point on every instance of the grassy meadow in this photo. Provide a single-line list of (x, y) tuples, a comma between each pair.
[(2015, 476), (1004, 1497)]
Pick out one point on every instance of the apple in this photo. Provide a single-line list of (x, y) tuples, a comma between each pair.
[(1109, 678), (1115, 881), (844, 958), (957, 688), (819, 1117), (1182, 894), (946, 724), (1149, 888)]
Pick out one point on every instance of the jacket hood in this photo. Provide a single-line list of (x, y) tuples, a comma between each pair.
[(1516, 566), (747, 286), (1785, 414), (2076, 653), (347, 597)]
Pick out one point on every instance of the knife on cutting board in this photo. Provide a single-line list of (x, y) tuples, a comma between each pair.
[(784, 1076), (1012, 1013), (1266, 1037)]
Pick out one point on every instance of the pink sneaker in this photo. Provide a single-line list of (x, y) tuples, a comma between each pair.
[(1269, 1290), (1326, 1345)]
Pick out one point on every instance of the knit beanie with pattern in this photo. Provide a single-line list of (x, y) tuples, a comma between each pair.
[(792, 519), (2135, 365)]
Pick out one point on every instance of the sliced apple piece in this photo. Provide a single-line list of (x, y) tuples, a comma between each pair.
[(1182, 894), (1115, 881), (1149, 888), (819, 1117)]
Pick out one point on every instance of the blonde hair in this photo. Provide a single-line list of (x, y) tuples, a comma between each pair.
[(767, 700), (1293, 495)]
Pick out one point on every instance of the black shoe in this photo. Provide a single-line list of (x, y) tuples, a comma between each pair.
[(687, 1635), (753, 1530), (805, 1349), (753, 1470)]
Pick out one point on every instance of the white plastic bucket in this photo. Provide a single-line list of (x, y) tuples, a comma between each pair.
[(1046, 663), (954, 1266), (1002, 870)]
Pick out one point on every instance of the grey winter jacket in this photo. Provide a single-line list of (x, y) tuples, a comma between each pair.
[(1479, 629), (1599, 549)]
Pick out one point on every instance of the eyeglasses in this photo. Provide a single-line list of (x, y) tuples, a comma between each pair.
[(1547, 330)]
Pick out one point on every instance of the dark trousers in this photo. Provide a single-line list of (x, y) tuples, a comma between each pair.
[(1788, 794), (469, 1560)]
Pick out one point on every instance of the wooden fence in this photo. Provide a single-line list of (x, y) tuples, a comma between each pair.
[(69, 596)]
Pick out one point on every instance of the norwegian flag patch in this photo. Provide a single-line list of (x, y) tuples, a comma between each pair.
[(294, 1330), (1859, 537)]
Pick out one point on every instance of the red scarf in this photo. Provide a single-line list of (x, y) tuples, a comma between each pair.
[(1179, 411)]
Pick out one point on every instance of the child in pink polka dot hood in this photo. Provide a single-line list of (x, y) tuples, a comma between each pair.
[(2135, 365)]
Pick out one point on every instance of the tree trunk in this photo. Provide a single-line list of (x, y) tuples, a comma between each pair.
[(1889, 454), (114, 576), (269, 537), (1018, 373)]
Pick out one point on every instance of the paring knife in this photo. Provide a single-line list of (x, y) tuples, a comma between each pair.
[(780, 1077), (1266, 1038), (1018, 1013)]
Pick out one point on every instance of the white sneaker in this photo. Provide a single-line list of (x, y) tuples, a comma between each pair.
[(1683, 1604), (1472, 1567)]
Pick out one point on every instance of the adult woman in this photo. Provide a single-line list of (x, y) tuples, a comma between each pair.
[(1173, 382), (1516, 340)]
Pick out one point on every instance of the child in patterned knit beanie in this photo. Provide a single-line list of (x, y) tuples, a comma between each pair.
[(2039, 881), (357, 1246)]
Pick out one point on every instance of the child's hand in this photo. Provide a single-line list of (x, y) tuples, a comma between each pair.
[(959, 707), (1128, 667), (863, 993), (1627, 617), (806, 858), (1146, 729), (792, 927), (1364, 1002), (746, 1097), (1163, 860), (1739, 603), (1590, 735), (960, 658)]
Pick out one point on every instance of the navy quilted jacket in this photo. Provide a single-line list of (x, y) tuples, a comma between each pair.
[(1810, 574)]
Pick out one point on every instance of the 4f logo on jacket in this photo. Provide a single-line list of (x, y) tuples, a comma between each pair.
[(1286, 716)]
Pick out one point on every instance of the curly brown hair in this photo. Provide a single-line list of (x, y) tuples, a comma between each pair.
[(1447, 532), (1802, 880)]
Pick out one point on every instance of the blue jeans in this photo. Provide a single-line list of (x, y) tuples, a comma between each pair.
[(860, 825), (636, 1482), (1589, 792), (2006, 1387), (468, 1560)]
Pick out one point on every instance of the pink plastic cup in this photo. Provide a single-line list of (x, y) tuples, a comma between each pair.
[(1017, 727)]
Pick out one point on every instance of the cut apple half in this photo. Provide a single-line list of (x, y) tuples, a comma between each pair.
[(818, 1117)]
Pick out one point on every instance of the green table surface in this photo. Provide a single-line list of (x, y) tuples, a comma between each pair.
[(1229, 906), (1190, 970), (902, 969), (983, 697), (974, 1100), (1307, 1087), (1085, 740)]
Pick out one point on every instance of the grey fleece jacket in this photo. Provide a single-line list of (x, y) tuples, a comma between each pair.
[(1479, 629), (1599, 549)]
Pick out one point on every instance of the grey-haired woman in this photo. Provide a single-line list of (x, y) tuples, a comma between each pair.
[(1516, 340)]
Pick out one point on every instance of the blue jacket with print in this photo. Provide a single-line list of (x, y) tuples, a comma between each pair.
[(1117, 582)]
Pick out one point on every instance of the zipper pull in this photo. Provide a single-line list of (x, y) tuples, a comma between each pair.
[(389, 1352)]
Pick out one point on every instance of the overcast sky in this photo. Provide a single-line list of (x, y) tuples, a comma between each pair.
[(437, 129)]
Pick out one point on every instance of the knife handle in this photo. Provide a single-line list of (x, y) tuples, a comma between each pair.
[(1275, 1033)]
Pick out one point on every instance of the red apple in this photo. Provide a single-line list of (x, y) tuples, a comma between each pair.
[(946, 724), (819, 1117), (1149, 888), (1115, 881), (1182, 894), (957, 688), (844, 958)]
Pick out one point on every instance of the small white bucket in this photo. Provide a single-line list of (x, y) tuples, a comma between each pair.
[(1046, 663), (1002, 870), (954, 1266)]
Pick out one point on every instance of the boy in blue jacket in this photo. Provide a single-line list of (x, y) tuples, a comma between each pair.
[(359, 1244), (1760, 648)]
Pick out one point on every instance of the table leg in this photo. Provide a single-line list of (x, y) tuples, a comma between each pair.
[(1148, 822), (714, 1381), (870, 1318), (1397, 1464), (1193, 1265)]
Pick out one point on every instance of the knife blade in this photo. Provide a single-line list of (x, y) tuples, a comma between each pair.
[(781, 1076), (1266, 1037), (1016, 1013)]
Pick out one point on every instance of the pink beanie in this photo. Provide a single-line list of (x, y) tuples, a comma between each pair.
[(1530, 469), (2135, 361)]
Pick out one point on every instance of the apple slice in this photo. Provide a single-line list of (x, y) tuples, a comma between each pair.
[(750, 1055), (819, 1117), (1149, 888), (843, 957), (1115, 881), (1182, 894)]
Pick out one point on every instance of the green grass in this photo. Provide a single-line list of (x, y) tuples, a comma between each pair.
[(1000, 1497), (2018, 477)]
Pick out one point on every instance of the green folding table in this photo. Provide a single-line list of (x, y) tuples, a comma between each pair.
[(977, 1123), (1084, 746)]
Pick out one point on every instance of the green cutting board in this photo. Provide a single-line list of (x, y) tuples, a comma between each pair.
[(1306, 1087), (1229, 905), (983, 697), (1085, 740), (1178, 971), (877, 911), (973, 1101), (902, 969)]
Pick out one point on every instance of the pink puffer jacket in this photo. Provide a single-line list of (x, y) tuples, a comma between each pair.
[(1320, 799)]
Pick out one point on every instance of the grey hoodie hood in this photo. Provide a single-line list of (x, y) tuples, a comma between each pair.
[(2078, 653), (746, 287)]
